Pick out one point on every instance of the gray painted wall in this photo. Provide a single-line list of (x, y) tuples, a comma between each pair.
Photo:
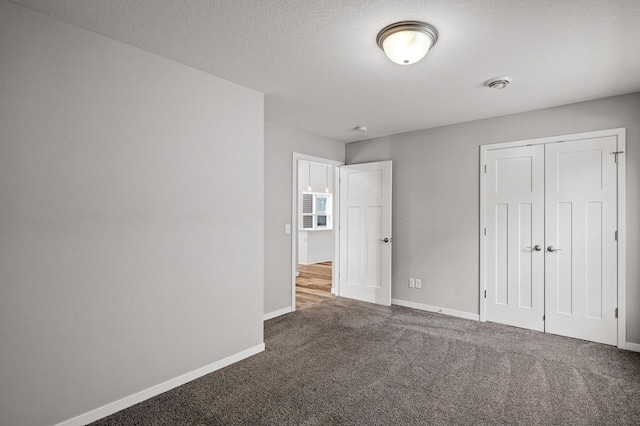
[(436, 196), (132, 203), (279, 145)]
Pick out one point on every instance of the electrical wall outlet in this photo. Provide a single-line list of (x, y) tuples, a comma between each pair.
[(418, 283), (412, 283)]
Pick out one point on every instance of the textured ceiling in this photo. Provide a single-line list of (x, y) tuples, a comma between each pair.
[(321, 71)]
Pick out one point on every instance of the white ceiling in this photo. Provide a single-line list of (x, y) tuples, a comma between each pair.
[(321, 71)]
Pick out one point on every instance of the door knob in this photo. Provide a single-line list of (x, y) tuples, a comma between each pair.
[(385, 240), (552, 249), (536, 247)]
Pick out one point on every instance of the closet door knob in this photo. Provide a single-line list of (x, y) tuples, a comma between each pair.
[(552, 249), (536, 247)]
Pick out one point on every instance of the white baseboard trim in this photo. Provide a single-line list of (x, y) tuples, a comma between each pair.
[(436, 309), (635, 347), (334, 291), (128, 401), (277, 313)]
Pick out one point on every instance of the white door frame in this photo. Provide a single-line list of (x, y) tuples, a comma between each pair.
[(620, 133), (335, 270)]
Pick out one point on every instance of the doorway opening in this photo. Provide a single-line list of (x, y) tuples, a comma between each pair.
[(315, 245), (347, 209)]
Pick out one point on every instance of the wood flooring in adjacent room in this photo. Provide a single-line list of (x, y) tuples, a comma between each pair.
[(313, 284)]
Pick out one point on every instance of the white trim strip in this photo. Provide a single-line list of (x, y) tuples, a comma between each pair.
[(277, 313), (436, 309), (128, 401), (554, 139), (622, 239), (632, 347)]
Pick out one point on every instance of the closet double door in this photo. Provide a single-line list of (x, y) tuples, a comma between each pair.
[(551, 241)]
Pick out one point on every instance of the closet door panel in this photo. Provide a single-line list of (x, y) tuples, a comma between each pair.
[(581, 249), (515, 225)]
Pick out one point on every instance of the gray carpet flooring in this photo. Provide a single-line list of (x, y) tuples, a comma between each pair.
[(342, 362)]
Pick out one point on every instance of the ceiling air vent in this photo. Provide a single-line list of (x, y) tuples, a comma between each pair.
[(499, 82)]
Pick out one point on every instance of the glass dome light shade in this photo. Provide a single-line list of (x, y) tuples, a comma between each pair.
[(406, 47)]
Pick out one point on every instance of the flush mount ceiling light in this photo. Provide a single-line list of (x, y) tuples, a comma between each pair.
[(407, 42), (499, 82)]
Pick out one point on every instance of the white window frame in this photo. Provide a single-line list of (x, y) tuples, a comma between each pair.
[(314, 212)]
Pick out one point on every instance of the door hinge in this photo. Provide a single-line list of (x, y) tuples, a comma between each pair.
[(616, 312), (616, 235), (543, 317), (485, 168), (616, 153), (485, 231), (485, 294)]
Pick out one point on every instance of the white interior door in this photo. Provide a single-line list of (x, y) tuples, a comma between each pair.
[(515, 236), (581, 252), (365, 232)]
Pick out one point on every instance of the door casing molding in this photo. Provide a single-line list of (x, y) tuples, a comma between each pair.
[(335, 282), (620, 134)]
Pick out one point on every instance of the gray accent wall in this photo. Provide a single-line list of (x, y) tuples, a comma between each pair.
[(131, 219), (436, 200), (279, 145)]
